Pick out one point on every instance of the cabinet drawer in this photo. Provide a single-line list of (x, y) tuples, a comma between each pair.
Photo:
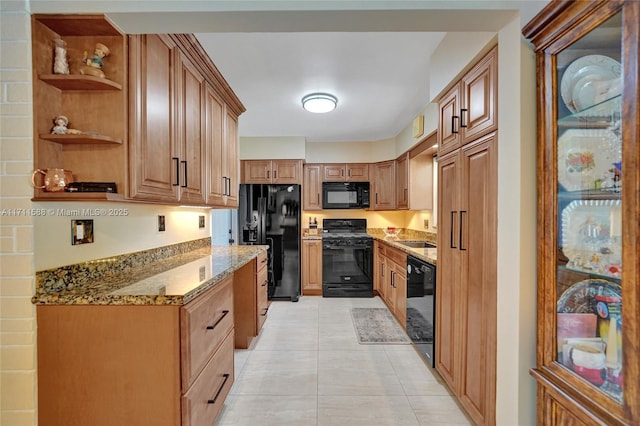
[(261, 262), (203, 325), (397, 256), (262, 304), (204, 400)]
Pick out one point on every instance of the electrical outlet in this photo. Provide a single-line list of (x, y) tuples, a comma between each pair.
[(201, 222), (81, 231), (426, 224), (161, 223)]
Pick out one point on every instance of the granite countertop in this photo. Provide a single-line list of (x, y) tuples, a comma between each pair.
[(429, 255), (172, 281)]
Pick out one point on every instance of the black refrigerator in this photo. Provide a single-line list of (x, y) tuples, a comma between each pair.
[(270, 215)]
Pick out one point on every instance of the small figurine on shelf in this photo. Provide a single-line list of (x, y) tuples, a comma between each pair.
[(60, 127), (60, 63), (93, 64)]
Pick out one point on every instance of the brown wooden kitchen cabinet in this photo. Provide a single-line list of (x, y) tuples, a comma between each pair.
[(219, 178), (167, 148), (221, 126), (469, 110), (146, 364), (402, 182), (349, 172), (390, 279), (383, 192), (466, 279), (396, 275), (272, 171), (250, 300), (231, 171), (96, 106), (312, 267), (312, 187), (190, 126), (152, 147), (170, 150), (588, 355)]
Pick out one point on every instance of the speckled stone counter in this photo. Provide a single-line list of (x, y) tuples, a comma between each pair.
[(167, 280), (429, 255)]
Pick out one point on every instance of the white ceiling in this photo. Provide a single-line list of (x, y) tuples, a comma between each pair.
[(372, 54), (380, 80)]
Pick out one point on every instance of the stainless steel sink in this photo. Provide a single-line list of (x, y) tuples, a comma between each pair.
[(416, 244)]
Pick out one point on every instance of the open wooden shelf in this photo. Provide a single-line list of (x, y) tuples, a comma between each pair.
[(78, 196), (79, 82), (80, 139)]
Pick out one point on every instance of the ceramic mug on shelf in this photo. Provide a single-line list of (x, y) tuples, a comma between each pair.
[(53, 180)]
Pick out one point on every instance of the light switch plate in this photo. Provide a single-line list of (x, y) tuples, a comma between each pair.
[(161, 223), (201, 222), (81, 231)]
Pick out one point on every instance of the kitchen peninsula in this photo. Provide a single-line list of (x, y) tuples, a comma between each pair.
[(145, 338)]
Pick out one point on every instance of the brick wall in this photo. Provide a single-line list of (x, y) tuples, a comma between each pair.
[(17, 314)]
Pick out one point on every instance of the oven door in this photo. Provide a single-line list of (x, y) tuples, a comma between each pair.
[(347, 270)]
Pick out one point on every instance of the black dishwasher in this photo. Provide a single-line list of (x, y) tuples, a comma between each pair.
[(421, 294)]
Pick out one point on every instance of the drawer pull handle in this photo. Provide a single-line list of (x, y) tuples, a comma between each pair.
[(265, 312), (264, 261), (264, 283), (224, 382), (224, 314)]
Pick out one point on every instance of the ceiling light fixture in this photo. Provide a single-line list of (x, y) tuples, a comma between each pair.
[(319, 102)]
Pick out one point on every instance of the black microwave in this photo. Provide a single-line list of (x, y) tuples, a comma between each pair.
[(345, 195)]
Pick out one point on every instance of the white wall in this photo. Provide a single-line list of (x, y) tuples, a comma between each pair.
[(454, 55), (405, 139), (134, 229), (350, 152), (516, 392), (286, 147)]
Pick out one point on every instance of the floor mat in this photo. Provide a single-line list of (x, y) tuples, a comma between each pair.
[(378, 326)]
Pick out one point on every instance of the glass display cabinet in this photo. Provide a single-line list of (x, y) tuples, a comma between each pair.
[(588, 184)]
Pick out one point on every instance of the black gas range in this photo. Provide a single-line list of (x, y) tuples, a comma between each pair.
[(347, 258)]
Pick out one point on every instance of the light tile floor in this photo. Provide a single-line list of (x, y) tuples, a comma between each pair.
[(307, 368)]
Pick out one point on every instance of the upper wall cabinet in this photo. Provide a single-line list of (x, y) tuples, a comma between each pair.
[(414, 176), (272, 171), (312, 187), (132, 111), (221, 127), (86, 104), (469, 109), (350, 172), (588, 70), (183, 124), (384, 185)]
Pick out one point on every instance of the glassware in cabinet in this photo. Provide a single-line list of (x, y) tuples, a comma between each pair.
[(589, 201)]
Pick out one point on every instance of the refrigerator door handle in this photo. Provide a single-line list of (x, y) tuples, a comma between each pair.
[(262, 220)]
